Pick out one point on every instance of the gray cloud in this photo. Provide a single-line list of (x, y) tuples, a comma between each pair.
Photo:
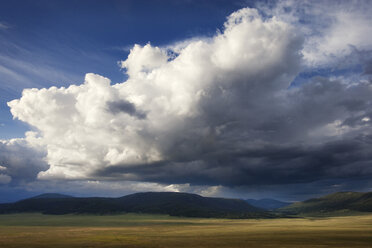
[(265, 166), (314, 132), (125, 107), (368, 67), (20, 163)]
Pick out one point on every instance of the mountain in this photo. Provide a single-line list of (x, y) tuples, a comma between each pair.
[(171, 203), (51, 195), (342, 202), (267, 204)]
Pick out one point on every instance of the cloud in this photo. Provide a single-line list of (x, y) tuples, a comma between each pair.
[(333, 29), (125, 107), (4, 179), (20, 161), (84, 132), (4, 26), (218, 111), (17, 73)]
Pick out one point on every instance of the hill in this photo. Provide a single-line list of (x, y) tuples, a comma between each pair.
[(267, 204), (341, 202), (51, 195), (171, 203)]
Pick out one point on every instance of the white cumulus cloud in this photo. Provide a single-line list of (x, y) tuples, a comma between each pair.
[(85, 128), (333, 29), (218, 111)]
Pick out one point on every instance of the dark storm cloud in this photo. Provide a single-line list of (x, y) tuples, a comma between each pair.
[(265, 166), (21, 162), (368, 68), (293, 138)]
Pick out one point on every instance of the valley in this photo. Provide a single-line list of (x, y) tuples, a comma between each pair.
[(142, 230)]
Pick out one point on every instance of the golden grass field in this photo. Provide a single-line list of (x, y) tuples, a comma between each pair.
[(140, 231)]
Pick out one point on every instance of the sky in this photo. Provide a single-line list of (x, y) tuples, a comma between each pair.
[(241, 99)]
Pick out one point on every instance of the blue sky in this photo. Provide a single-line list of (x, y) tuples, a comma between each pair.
[(240, 98)]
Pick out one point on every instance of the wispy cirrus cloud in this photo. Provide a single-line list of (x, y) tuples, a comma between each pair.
[(4, 26)]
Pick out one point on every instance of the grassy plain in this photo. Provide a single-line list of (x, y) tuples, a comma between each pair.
[(157, 231)]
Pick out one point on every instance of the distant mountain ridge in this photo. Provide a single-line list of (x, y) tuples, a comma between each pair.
[(341, 201), (267, 203), (191, 205), (51, 195), (171, 203)]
